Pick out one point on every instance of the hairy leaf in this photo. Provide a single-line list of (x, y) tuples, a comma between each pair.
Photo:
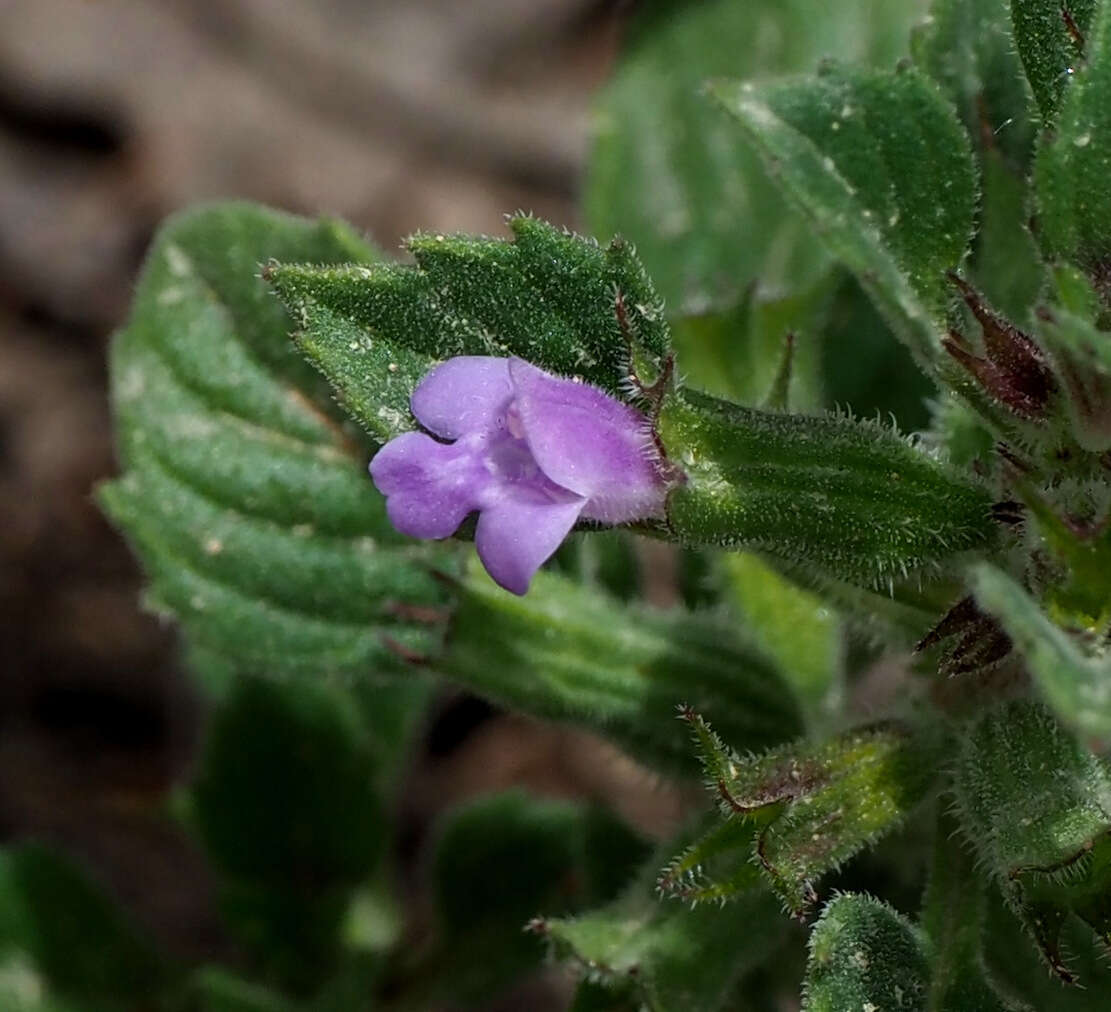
[(666, 168), (1036, 806), (1049, 35), (669, 955), (863, 955), (1006, 262), (245, 498), (847, 499), (968, 48), (1019, 971), (818, 804), (553, 298), (568, 653), (883, 169), (1073, 182)]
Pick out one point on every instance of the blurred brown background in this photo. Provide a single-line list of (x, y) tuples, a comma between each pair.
[(434, 114)]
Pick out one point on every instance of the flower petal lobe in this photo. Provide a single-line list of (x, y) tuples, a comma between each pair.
[(429, 486), (464, 394), (518, 535), (589, 443)]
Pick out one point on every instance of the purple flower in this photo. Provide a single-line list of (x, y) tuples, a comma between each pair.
[(531, 452)]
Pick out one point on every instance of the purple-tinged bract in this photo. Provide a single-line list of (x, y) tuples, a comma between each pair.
[(530, 452)]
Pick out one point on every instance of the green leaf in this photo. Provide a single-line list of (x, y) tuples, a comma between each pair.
[(883, 169), (219, 990), (1077, 588), (549, 296), (289, 808), (592, 996), (1031, 796), (1006, 263), (1073, 182), (717, 867), (604, 560), (286, 792), (863, 955), (23, 989), (79, 939), (1082, 354), (565, 652), (865, 367), (1076, 685), (1036, 807), (1050, 48), (1019, 971), (505, 857), (794, 626), (501, 861), (845, 498), (736, 352), (665, 168), (818, 804), (246, 500), (968, 48), (669, 955)]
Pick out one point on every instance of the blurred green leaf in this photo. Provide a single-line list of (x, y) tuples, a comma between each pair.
[(864, 366), (84, 945), (1006, 263), (735, 352), (246, 500), (953, 923), (1076, 685), (216, 989), (883, 170), (1081, 353), (547, 296), (287, 803), (567, 653), (286, 791), (666, 169), (24, 989), (593, 996), (1018, 970), (863, 955), (503, 860), (794, 626)]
